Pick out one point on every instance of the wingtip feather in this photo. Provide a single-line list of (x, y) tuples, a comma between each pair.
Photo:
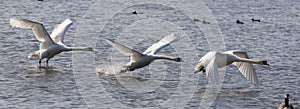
[(22, 23), (108, 40), (12, 22), (68, 21)]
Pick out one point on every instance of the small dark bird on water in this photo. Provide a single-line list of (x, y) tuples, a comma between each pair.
[(40, 0), (239, 22), (134, 12), (196, 19), (286, 104), (205, 22), (255, 20)]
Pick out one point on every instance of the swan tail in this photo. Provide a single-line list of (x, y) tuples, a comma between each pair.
[(199, 67), (33, 55)]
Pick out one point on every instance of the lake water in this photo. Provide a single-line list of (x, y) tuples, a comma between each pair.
[(71, 80)]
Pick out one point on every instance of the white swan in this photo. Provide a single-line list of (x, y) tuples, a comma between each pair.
[(214, 60), (49, 46), (139, 60)]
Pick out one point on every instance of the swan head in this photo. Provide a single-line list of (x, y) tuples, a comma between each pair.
[(264, 63), (178, 59)]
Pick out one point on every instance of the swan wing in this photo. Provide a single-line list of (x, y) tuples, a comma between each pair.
[(59, 31), (125, 50), (245, 68), (38, 29), (206, 59), (156, 47), (212, 72), (239, 53)]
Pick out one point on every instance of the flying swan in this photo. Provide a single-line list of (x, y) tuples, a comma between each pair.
[(139, 60), (50, 45), (214, 60)]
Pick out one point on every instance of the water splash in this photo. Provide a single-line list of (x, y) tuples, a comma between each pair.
[(111, 70)]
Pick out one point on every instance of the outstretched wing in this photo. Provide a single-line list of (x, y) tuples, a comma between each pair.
[(212, 72), (246, 69), (238, 53), (156, 47), (206, 59), (38, 29), (59, 31), (125, 50)]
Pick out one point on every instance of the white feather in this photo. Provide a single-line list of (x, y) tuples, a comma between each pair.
[(212, 72), (213, 60), (59, 31), (48, 48), (125, 50), (139, 60), (156, 47), (38, 29)]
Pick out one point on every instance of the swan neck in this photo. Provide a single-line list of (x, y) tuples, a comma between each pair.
[(251, 61), (166, 57), (79, 49)]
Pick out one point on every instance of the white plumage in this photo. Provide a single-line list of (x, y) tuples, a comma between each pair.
[(50, 45), (139, 60), (214, 60)]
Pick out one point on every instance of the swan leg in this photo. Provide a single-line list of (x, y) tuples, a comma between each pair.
[(40, 61), (47, 61), (127, 67), (125, 70)]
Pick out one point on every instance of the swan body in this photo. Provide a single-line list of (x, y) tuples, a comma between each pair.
[(143, 61), (215, 59), (140, 60), (50, 45)]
